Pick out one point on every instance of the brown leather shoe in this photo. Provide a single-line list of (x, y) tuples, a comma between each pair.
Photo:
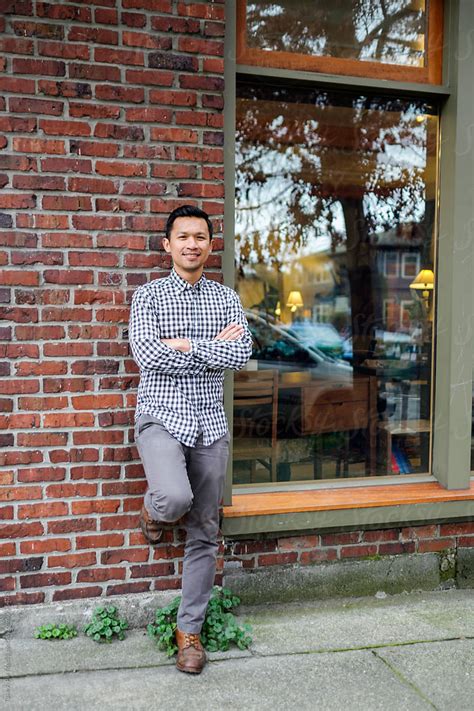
[(152, 530), (191, 654)]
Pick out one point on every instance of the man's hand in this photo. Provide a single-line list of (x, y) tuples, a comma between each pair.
[(230, 333), (179, 344)]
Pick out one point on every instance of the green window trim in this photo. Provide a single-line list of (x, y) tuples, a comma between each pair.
[(454, 321)]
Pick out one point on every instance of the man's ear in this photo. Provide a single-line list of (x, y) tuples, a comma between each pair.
[(166, 244), (211, 243)]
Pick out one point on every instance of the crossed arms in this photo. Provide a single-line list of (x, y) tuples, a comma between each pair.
[(231, 348)]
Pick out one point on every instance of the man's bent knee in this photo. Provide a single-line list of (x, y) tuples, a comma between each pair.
[(170, 508)]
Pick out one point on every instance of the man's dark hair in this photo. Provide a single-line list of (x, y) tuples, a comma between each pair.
[(187, 211)]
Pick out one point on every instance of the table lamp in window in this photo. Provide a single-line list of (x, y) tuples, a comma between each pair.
[(423, 286), (295, 301)]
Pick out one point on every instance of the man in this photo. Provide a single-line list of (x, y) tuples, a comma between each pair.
[(184, 331)]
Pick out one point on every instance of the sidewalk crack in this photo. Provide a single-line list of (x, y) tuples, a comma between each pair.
[(405, 681)]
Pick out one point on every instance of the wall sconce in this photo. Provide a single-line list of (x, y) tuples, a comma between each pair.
[(295, 300), (423, 286), (278, 309)]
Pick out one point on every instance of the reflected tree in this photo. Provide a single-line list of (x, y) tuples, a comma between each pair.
[(325, 164)]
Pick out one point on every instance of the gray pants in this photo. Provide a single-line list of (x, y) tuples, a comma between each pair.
[(186, 480)]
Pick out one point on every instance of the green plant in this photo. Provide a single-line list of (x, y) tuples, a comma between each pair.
[(105, 624), (220, 626), (53, 631)]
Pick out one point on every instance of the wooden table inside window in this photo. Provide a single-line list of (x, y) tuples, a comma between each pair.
[(337, 407)]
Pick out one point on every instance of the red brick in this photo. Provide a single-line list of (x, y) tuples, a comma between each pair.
[(22, 277), (137, 555), (7, 584), (456, 528), (93, 35), (168, 584), (100, 541), (358, 551), (466, 541), (390, 534), (94, 506), (72, 525), (77, 593), (415, 532), (203, 9), (109, 55), (438, 544), (40, 439), (317, 556), (335, 539), (56, 508), (38, 145), (128, 588), (63, 12), (63, 50), (7, 549), (45, 546), (20, 493), (20, 565), (40, 580), (41, 474), (395, 548), (6, 513), (151, 570), (95, 472), (22, 598), (153, 77), (277, 558), (100, 574), (55, 276), (66, 490), (71, 560), (296, 542), (153, 5)]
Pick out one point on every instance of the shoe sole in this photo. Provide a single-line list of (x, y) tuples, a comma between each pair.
[(147, 537), (188, 671)]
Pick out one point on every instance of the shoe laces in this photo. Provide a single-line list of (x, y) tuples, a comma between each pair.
[(191, 640)]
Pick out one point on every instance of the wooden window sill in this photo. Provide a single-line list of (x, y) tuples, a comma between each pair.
[(289, 502)]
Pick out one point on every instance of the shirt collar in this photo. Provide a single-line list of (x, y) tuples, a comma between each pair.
[(181, 284)]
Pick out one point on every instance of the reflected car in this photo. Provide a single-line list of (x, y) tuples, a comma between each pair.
[(322, 336), (275, 347)]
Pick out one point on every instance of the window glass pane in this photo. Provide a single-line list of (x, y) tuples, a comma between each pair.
[(387, 31), (335, 214)]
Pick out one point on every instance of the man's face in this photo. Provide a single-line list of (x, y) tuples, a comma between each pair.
[(189, 244)]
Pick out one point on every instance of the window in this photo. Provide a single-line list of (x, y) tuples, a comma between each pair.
[(333, 188), (387, 39), (410, 265), (391, 264)]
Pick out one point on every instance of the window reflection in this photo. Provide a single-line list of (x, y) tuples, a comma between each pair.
[(335, 216), (388, 31)]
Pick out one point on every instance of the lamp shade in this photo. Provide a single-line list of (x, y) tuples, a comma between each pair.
[(424, 280), (295, 299)]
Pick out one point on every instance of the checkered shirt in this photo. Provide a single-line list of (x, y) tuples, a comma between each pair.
[(185, 390)]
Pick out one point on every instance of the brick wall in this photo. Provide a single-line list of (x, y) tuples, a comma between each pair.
[(110, 116), (331, 547)]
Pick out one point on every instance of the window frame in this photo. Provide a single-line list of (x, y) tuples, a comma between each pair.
[(429, 74), (453, 294), (404, 262)]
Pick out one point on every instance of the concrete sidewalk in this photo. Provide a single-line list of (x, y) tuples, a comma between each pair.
[(408, 651)]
